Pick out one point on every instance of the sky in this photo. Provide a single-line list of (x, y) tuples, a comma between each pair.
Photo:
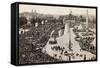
[(56, 10)]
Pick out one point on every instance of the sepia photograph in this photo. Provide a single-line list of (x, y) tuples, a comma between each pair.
[(50, 34)]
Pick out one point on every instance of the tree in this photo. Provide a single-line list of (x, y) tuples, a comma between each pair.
[(22, 21)]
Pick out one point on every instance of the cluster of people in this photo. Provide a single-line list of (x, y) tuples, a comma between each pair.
[(57, 48), (86, 41)]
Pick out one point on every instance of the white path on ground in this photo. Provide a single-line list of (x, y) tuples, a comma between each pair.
[(63, 41)]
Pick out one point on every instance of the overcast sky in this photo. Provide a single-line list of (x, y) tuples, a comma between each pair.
[(56, 10)]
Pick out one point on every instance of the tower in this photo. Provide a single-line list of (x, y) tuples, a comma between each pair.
[(70, 20), (67, 32), (87, 20), (32, 13)]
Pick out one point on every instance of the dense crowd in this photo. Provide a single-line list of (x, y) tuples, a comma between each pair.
[(32, 41)]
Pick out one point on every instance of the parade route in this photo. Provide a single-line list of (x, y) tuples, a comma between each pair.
[(62, 41)]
